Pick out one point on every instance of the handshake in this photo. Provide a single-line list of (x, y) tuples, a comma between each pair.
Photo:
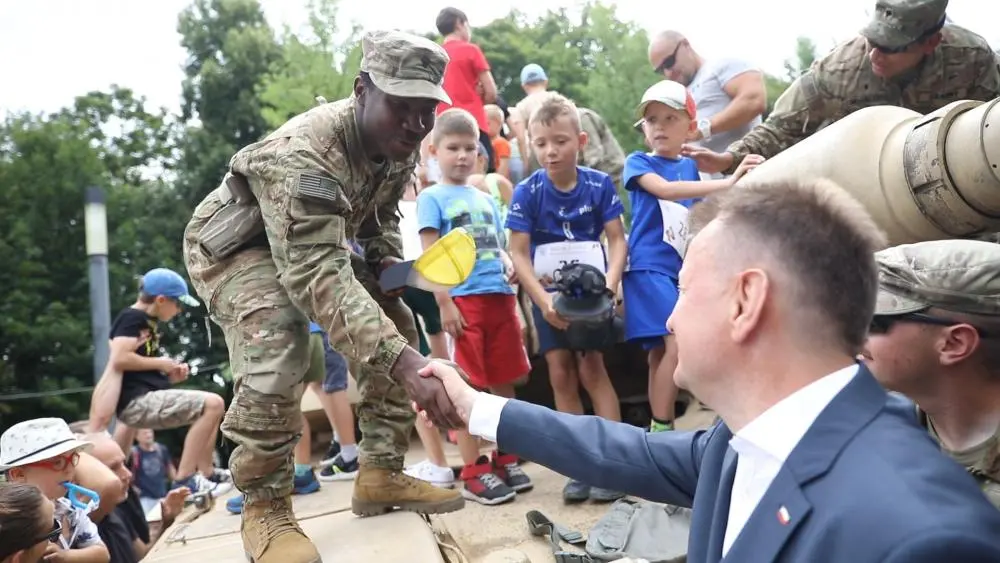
[(438, 390)]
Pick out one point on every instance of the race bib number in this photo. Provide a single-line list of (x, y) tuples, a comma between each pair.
[(553, 256), (675, 225)]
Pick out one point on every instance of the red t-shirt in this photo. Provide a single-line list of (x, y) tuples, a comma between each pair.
[(460, 78)]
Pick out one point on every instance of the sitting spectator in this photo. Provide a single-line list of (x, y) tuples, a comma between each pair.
[(28, 526), (44, 452), (120, 518)]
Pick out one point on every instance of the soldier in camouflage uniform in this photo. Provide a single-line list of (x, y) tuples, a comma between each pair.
[(292, 201), (933, 339), (906, 56)]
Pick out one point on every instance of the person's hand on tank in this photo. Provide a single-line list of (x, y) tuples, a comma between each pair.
[(749, 162), (708, 161), (427, 393)]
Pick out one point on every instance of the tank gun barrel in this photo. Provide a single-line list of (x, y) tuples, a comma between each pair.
[(922, 177)]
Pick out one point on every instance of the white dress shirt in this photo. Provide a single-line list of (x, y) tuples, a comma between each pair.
[(762, 446)]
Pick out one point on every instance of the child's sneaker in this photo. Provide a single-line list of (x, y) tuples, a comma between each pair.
[(197, 483), (339, 470), (506, 467), (305, 484), (330, 455), (483, 486), (235, 504), (436, 475), (223, 481)]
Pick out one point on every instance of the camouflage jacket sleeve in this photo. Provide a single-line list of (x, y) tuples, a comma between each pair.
[(987, 85), (378, 235), (799, 112), (304, 206)]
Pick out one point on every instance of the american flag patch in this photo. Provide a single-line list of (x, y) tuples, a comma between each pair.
[(317, 186)]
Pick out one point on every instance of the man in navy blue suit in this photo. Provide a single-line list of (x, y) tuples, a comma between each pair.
[(812, 460)]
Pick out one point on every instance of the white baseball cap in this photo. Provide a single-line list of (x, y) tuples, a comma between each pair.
[(669, 93), (34, 440)]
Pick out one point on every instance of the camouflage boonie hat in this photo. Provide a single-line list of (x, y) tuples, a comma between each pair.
[(898, 23), (962, 276), (405, 65)]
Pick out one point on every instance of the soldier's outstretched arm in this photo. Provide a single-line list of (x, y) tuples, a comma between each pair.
[(303, 204), (797, 113)]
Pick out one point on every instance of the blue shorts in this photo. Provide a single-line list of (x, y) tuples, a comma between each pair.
[(549, 337), (649, 300), (336, 370)]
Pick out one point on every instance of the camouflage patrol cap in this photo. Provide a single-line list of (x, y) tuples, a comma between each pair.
[(962, 276), (898, 23), (405, 65)]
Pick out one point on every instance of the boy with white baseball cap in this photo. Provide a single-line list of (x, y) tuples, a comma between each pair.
[(44, 452), (662, 185)]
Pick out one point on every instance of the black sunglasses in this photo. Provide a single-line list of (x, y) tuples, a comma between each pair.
[(53, 535), (669, 62), (882, 324)]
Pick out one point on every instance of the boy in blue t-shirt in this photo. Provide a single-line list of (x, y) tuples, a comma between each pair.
[(569, 206), (662, 185), (481, 313)]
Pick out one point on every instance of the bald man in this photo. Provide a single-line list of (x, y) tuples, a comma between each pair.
[(120, 519), (729, 93)]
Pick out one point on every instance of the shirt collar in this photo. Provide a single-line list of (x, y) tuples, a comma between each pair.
[(780, 428)]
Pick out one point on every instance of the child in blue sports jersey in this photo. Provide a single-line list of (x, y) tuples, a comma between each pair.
[(662, 185), (562, 209)]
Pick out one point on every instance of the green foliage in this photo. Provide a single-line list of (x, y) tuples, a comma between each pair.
[(315, 65), (805, 55)]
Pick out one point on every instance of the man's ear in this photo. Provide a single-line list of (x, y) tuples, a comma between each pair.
[(692, 125), (584, 139), (359, 90), (958, 343), (432, 149)]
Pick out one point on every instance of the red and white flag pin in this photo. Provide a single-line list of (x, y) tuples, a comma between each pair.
[(783, 516)]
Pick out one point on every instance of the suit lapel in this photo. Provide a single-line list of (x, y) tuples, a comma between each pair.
[(784, 506), (720, 514), (779, 514)]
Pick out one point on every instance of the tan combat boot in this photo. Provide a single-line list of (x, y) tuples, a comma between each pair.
[(378, 490), (271, 534)]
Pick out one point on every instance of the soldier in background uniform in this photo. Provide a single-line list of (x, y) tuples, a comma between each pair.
[(268, 251), (907, 56), (933, 338), (601, 152)]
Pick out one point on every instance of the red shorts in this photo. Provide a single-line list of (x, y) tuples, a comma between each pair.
[(490, 349)]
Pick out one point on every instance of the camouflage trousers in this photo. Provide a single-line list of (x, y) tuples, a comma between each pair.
[(268, 342)]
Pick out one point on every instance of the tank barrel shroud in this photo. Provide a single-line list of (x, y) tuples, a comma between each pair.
[(922, 177)]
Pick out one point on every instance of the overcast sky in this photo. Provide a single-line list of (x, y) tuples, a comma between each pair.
[(54, 50)]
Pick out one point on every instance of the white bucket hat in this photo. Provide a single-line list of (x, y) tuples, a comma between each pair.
[(34, 440)]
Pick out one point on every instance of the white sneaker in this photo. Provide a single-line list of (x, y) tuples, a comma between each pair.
[(211, 487), (434, 474)]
